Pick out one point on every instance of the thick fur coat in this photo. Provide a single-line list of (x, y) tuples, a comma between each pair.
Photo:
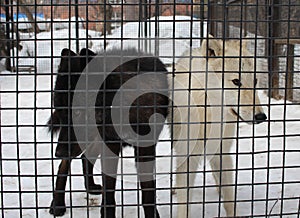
[(213, 90), (141, 110)]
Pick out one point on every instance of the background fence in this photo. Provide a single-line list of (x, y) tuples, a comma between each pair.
[(32, 35)]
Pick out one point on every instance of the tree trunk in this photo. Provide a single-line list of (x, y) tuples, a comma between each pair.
[(27, 12)]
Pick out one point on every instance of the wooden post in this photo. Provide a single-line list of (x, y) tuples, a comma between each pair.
[(26, 10), (202, 17), (273, 48), (245, 24), (290, 72), (289, 64), (225, 30), (212, 7)]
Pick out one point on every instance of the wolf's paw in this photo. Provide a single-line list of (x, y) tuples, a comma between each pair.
[(108, 211), (57, 210), (94, 189)]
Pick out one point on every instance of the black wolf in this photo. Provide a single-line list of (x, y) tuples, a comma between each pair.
[(140, 112)]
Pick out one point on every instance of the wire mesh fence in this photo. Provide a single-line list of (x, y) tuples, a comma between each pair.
[(155, 108)]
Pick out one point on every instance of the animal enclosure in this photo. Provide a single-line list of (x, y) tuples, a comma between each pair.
[(103, 74)]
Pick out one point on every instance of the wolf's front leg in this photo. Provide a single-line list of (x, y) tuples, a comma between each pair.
[(58, 205), (185, 179), (109, 164), (223, 175), (145, 163)]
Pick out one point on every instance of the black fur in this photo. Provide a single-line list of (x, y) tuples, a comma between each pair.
[(141, 110)]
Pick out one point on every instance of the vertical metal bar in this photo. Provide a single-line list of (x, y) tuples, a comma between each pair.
[(142, 33), (52, 16), (36, 29), (87, 5), (298, 208), (1, 176), (1, 166), (223, 58), (69, 175), (77, 25), (269, 54), (289, 91), (172, 91), (145, 21), (121, 153), (253, 127), (156, 50), (237, 156), (269, 51), (8, 41), (18, 121), (268, 48)]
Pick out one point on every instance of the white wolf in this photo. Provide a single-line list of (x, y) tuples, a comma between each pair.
[(213, 89)]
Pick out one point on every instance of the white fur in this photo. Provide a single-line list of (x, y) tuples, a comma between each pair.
[(191, 117)]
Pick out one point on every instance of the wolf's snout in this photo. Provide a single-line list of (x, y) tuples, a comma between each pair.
[(258, 118)]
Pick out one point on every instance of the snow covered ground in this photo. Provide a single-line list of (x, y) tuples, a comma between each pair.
[(26, 146)]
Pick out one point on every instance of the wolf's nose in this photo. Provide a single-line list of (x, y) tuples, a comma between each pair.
[(260, 117)]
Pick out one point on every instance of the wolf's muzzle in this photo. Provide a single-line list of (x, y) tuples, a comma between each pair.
[(259, 118)]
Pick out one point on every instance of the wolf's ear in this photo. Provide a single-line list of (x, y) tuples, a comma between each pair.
[(86, 55), (69, 61), (211, 47), (67, 53), (87, 52)]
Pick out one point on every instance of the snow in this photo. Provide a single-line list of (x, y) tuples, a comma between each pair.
[(40, 46), (27, 151), (162, 30)]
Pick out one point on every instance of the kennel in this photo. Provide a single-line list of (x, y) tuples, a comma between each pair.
[(266, 156)]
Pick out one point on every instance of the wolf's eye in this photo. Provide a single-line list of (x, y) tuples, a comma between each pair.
[(237, 82)]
